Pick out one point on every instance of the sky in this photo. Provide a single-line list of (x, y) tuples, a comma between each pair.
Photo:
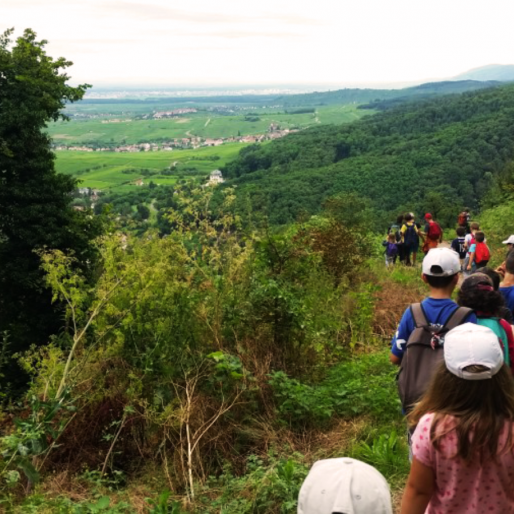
[(267, 42)]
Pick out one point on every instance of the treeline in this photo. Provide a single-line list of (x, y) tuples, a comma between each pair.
[(430, 156), (360, 96)]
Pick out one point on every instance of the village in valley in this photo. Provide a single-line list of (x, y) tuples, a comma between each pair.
[(274, 132)]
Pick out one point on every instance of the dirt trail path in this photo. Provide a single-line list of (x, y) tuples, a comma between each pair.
[(207, 122)]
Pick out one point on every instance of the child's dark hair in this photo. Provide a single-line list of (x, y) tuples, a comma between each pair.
[(477, 292), (461, 231), (479, 237), (474, 226), (439, 282), (493, 275), (409, 217)]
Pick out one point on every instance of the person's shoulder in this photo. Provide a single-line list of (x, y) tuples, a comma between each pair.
[(426, 419), (438, 302)]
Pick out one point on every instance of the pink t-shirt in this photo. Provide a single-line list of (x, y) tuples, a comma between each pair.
[(461, 488)]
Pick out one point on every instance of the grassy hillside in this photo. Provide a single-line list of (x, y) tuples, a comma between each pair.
[(436, 155), (104, 170), (203, 124)]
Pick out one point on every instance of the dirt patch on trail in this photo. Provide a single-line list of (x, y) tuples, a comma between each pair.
[(183, 120)]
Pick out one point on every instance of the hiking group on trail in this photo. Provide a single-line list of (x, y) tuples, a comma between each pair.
[(455, 378), (455, 382), (403, 238)]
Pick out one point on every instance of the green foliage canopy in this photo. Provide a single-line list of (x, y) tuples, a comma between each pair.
[(35, 207), (438, 154)]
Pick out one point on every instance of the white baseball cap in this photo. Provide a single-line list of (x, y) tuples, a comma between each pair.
[(471, 344), (441, 262), (509, 241), (345, 486)]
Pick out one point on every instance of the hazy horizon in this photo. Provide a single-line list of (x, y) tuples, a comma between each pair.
[(358, 43)]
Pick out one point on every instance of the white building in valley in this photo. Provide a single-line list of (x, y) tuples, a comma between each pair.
[(216, 178)]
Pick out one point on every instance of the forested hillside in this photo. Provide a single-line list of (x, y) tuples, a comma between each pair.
[(360, 96), (433, 156)]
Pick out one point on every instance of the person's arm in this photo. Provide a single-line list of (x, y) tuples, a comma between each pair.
[(419, 489), (510, 341), (394, 359), (419, 232), (401, 337), (471, 259)]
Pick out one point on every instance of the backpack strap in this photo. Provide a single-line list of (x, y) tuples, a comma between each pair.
[(418, 315), (457, 317)]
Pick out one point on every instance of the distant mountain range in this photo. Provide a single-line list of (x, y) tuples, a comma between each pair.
[(383, 98), (500, 72)]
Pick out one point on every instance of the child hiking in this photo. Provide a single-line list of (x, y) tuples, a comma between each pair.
[(479, 253), (417, 343), (458, 244), (463, 442), (433, 233), (395, 228), (391, 250), (507, 284), (410, 238), (468, 241), (477, 292)]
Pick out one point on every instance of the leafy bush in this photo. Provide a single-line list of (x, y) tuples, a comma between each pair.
[(364, 385), (387, 452)]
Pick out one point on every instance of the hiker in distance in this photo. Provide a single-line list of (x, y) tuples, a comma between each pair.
[(433, 233), (410, 238)]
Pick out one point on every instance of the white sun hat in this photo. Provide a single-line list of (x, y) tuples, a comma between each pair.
[(470, 344), (345, 486), (441, 262), (509, 241)]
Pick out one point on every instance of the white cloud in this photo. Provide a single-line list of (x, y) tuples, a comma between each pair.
[(269, 41)]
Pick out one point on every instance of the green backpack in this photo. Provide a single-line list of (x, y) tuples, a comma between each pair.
[(494, 325)]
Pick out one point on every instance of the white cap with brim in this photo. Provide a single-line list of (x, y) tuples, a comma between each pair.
[(472, 345), (441, 262), (345, 486), (509, 241)]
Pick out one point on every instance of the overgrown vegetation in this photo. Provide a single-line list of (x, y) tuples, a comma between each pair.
[(196, 351)]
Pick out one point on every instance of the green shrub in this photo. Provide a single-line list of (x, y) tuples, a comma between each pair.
[(387, 452), (363, 385)]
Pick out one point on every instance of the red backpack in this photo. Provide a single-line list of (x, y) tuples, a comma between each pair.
[(434, 231), (462, 219), (482, 252)]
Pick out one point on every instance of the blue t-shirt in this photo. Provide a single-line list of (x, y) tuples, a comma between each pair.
[(437, 313), (508, 294)]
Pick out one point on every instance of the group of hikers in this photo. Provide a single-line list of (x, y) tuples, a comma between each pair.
[(404, 236), (456, 386)]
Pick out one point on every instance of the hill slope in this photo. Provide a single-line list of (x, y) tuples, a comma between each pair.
[(436, 155), (343, 96), (501, 72)]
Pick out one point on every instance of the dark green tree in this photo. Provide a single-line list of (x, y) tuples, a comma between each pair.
[(35, 201)]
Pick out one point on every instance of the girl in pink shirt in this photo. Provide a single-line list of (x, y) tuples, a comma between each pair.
[(463, 457)]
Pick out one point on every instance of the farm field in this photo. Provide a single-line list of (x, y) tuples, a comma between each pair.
[(110, 170), (202, 124)]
